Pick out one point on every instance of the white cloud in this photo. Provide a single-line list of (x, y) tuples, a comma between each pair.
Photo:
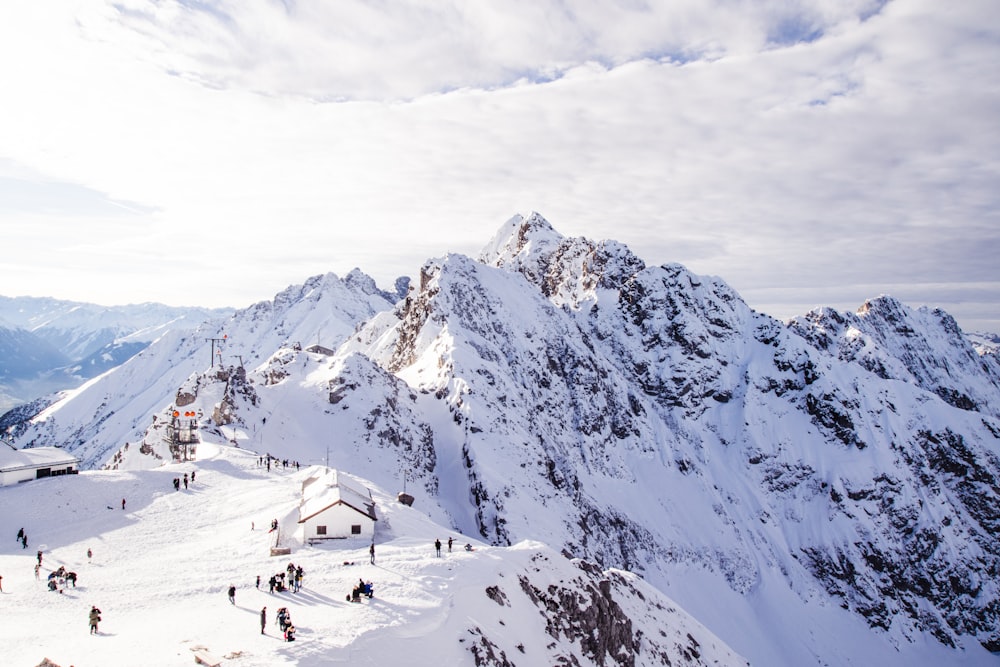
[(803, 145)]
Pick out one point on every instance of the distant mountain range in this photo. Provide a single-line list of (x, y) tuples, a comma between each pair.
[(49, 345), (834, 479)]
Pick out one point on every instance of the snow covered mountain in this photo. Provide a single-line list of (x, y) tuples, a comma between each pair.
[(159, 571), (821, 492), (48, 345)]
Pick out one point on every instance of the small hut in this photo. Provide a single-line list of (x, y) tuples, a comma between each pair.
[(336, 507)]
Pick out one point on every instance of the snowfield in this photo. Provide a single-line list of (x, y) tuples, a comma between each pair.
[(161, 569)]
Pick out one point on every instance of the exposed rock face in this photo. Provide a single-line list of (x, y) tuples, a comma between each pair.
[(922, 347), (584, 368), (591, 617), (640, 417)]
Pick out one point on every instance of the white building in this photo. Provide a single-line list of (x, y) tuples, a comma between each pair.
[(335, 507), (22, 465)]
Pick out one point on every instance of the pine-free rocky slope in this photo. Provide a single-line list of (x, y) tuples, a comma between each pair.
[(836, 474)]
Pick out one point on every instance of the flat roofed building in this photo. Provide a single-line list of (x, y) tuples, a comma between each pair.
[(23, 465)]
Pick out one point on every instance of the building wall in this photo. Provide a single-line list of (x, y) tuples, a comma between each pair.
[(17, 475), (338, 521)]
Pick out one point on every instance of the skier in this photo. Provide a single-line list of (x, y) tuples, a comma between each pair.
[(95, 618), (232, 594), (263, 619)]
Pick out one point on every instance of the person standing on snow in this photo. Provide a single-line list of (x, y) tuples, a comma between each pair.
[(20, 534), (95, 618), (371, 552), (232, 594), (39, 556), (450, 540), (263, 619), (123, 503), (437, 547)]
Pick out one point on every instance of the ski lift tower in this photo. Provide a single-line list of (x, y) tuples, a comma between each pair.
[(182, 434), (220, 341)]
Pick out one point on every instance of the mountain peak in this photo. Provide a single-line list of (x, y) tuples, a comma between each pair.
[(520, 237)]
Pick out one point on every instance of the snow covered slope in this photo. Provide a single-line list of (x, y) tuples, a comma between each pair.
[(814, 493), (49, 345), (98, 419), (160, 570)]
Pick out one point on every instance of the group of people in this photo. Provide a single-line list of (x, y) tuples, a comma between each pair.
[(59, 578), (267, 459), (285, 624), (177, 484), (277, 581), (451, 541), (22, 537), (362, 588)]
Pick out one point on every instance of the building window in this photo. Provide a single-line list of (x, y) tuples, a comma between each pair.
[(321, 530), (356, 529)]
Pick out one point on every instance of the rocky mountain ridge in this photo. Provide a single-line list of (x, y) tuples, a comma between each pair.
[(640, 417)]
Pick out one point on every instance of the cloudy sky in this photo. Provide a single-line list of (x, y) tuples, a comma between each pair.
[(213, 152)]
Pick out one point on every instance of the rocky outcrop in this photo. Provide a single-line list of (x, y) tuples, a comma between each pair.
[(589, 616)]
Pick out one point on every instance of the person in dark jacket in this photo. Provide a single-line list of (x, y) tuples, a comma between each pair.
[(263, 619), (232, 594)]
